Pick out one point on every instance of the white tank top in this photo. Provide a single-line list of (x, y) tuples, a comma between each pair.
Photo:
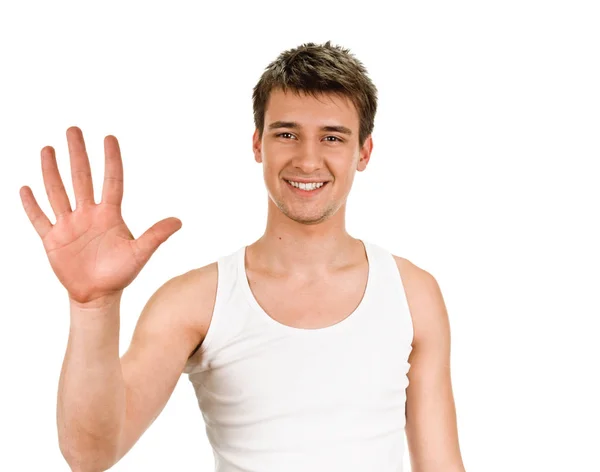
[(276, 398)]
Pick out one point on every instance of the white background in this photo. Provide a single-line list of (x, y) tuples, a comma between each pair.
[(484, 172)]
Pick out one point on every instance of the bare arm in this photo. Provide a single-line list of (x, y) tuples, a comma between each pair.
[(95, 257), (173, 323), (106, 403), (91, 390), (431, 426)]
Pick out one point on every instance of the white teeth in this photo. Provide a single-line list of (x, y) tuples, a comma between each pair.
[(308, 186)]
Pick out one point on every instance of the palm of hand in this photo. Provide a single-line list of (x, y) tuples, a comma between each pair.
[(92, 252), (90, 249)]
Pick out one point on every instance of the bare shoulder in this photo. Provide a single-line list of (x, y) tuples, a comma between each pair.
[(180, 309), (416, 278), (424, 297), (197, 290)]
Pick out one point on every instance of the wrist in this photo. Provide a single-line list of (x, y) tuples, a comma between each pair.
[(98, 303)]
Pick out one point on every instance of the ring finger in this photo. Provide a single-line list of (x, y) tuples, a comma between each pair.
[(55, 188)]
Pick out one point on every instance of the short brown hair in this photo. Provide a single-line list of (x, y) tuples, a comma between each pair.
[(314, 69)]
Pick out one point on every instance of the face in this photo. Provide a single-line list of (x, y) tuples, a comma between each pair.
[(310, 139)]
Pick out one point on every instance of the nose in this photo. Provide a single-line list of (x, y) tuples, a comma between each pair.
[(308, 158)]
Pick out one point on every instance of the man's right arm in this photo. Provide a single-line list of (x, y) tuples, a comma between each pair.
[(105, 403)]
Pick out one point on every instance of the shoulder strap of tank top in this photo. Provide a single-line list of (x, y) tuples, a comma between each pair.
[(226, 284), (381, 263), (389, 283)]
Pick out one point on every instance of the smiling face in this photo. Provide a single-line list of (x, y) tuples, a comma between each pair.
[(310, 139)]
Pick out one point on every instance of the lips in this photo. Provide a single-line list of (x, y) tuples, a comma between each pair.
[(305, 181)]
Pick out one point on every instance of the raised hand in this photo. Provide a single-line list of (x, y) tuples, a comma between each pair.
[(90, 249)]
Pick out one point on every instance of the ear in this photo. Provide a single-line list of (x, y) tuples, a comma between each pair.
[(365, 154), (257, 146)]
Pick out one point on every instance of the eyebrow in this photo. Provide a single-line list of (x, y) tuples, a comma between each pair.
[(294, 125)]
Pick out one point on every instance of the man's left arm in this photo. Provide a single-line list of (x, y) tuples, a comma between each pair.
[(431, 427)]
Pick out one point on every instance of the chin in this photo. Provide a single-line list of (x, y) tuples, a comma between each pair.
[(307, 219), (310, 221)]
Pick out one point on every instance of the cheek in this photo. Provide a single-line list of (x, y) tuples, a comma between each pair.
[(274, 160), (343, 165), (270, 171)]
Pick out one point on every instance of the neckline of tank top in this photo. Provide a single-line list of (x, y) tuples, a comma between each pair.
[(352, 317)]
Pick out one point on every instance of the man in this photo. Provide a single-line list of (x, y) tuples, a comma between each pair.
[(308, 349)]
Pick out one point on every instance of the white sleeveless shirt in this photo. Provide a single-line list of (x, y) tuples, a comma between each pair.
[(280, 399)]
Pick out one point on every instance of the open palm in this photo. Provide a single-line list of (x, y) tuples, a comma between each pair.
[(90, 249)]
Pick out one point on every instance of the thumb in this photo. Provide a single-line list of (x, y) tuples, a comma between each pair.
[(157, 234)]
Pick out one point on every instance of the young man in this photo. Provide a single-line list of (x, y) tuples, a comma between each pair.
[(308, 349)]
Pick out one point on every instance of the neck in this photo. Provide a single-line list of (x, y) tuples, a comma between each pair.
[(290, 247)]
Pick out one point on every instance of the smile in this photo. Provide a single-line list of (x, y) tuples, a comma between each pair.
[(311, 188)]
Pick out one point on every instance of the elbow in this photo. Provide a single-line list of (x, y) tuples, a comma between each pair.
[(90, 460)]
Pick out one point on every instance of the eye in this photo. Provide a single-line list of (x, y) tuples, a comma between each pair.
[(281, 134), (334, 137)]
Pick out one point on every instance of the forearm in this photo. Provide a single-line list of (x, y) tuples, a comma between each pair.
[(91, 394)]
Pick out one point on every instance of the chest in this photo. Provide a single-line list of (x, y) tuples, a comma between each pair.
[(318, 302), (356, 372)]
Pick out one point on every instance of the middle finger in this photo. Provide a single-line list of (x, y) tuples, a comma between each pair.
[(81, 173)]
